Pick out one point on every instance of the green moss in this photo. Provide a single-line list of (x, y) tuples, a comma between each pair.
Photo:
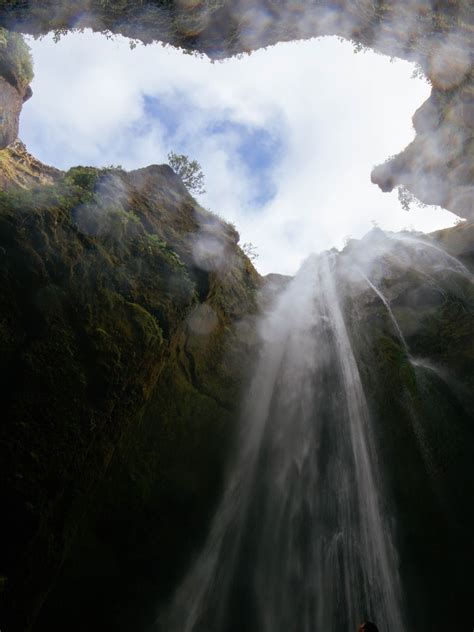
[(88, 177), (83, 177), (96, 284), (168, 478), (396, 365)]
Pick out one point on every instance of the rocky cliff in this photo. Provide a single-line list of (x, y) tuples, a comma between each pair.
[(124, 308), (413, 333), (16, 72), (18, 168)]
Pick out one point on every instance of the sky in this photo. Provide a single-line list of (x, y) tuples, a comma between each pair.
[(287, 137)]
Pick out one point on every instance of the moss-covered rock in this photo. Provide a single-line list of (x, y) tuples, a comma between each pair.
[(421, 400), (107, 384)]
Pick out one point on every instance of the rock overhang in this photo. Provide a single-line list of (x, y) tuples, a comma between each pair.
[(437, 36)]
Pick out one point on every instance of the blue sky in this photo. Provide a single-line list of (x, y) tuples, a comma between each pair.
[(256, 149), (287, 136), (259, 151)]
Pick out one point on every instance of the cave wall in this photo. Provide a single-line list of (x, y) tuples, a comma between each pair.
[(421, 400), (122, 352)]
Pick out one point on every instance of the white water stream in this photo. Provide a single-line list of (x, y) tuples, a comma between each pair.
[(300, 542)]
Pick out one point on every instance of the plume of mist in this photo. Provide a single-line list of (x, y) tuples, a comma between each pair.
[(213, 245), (203, 320), (97, 217)]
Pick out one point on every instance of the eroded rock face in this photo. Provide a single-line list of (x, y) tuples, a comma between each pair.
[(225, 27), (415, 355), (438, 166), (16, 73), (18, 168), (11, 103), (120, 359)]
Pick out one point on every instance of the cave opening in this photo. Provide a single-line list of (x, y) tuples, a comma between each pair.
[(287, 137), (135, 324)]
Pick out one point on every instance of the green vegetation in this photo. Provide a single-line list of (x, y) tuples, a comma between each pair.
[(250, 251), (407, 199), (102, 373), (189, 171), (16, 64), (12, 170)]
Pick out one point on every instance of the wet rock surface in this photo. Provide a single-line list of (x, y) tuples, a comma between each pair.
[(107, 385), (416, 357)]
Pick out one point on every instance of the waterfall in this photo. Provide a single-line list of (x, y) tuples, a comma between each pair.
[(300, 542), (390, 313), (444, 257)]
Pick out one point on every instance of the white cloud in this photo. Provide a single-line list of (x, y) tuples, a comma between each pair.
[(336, 113)]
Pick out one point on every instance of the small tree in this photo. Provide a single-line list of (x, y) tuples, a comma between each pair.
[(406, 199), (189, 171), (250, 251)]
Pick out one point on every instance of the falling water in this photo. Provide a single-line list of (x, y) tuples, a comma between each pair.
[(443, 256), (390, 313), (299, 542)]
